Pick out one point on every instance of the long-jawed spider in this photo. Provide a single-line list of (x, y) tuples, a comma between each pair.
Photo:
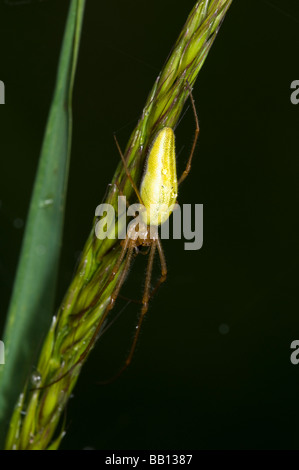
[(157, 196)]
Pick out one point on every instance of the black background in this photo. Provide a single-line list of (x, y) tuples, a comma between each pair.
[(189, 385)]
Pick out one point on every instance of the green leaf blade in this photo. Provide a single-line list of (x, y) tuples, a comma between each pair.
[(32, 302)]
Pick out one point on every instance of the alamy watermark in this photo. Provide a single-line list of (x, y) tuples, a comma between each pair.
[(295, 94), (2, 92), (183, 219), (2, 355), (295, 354)]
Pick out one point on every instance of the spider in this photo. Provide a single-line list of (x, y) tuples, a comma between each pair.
[(157, 196)]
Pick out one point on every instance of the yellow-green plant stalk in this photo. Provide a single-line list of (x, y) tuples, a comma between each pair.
[(40, 405)]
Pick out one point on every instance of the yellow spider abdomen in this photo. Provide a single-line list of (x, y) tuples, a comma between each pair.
[(159, 184)]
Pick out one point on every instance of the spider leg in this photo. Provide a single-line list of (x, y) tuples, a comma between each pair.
[(110, 305), (145, 300), (144, 309), (188, 167), (163, 268), (121, 193), (128, 247), (110, 278), (127, 171), (160, 281)]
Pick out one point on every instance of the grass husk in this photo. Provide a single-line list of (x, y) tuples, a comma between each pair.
[(40, 405)]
